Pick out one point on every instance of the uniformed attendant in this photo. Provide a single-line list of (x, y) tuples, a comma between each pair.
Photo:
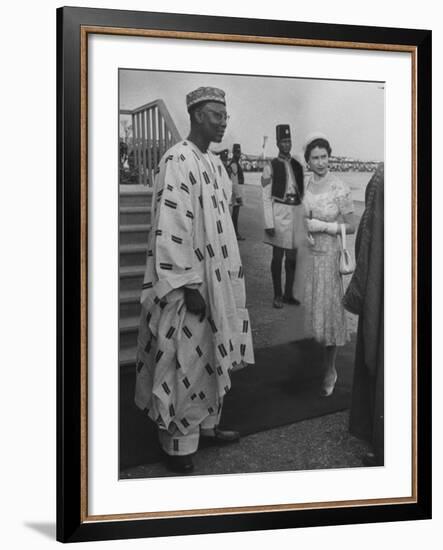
[(283, 188), (224, 157), (235, 172)]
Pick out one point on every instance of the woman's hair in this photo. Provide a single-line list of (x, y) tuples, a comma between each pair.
[(318, 142)]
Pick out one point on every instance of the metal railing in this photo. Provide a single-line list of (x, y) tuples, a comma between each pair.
[(153, 133)]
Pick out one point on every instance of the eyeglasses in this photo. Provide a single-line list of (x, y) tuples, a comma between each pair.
[(219, 117)]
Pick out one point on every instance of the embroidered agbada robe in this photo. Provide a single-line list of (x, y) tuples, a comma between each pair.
[(183, 364)]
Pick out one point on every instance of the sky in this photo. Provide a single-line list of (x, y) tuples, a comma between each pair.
[(350, 113)]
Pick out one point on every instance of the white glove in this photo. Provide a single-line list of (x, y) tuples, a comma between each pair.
[(319, 226), (332, 228)]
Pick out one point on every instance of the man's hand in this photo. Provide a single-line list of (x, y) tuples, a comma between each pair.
[(270, 231), (195, 303)]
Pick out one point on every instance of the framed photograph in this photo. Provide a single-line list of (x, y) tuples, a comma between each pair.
[(244, 243)]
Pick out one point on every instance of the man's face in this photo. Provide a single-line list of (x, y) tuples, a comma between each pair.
[(284, 146), (213, 120)]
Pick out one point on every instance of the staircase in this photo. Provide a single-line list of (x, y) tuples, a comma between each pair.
[(134, 224), (153, 133)]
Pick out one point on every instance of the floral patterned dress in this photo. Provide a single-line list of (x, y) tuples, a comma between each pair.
[(323, 288)]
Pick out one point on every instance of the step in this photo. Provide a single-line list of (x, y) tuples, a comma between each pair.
[(127, 357), (131, 277), (135, 195), (128, 332), (134, 234), (130, 303), (134, 215), (133, 254)]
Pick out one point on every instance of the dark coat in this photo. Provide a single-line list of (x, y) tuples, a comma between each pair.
[(365, 297)]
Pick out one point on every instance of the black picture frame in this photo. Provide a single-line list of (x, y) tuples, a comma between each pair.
[(73, 523)]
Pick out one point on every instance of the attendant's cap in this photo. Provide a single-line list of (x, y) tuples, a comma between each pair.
[(312, 137), (282, 132), (204, 94), (236, 148)]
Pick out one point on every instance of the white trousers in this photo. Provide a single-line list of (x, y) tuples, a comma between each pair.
[(176, 443)]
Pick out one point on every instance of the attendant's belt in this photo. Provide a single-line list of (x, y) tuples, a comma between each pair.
[(293, 199)]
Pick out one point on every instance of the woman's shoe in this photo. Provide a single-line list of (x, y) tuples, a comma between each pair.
[(328, 385)]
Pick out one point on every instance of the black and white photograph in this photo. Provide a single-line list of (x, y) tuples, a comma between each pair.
[(251, 273)]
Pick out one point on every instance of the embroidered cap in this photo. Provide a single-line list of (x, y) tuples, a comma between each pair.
[(205, 93), (313, 136), (282, 131)]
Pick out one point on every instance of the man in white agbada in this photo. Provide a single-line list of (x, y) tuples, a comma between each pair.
[(194, 328)]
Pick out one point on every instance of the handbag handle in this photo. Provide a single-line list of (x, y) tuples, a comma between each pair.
[(343, 236)]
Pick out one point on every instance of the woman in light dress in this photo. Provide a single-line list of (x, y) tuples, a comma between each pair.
[(328, 203)]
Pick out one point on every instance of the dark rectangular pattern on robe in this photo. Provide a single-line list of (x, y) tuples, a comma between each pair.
[(209, 369), (187, 332), (213, 327), (171, 204), (185, 422)]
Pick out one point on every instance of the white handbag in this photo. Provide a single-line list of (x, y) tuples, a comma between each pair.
[(347, 264)]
